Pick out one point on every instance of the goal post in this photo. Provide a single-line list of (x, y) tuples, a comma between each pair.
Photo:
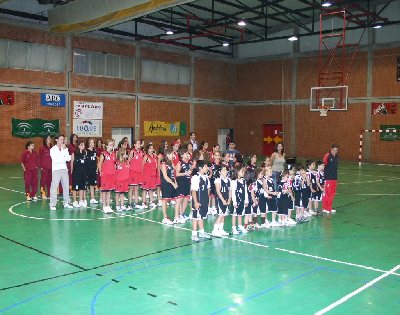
[(391, 135)]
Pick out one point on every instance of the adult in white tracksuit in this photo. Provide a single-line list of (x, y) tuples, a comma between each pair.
[(59, 158)]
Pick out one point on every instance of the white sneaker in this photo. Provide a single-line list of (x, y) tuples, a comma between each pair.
[(68, 206), (159, 204), (195, 238), (110, 210), (243, 229), (173, 202), (266, 225), (118, 208), (53, 208), (123, 208), (75, 204), (235, 232), (290, 222), (152, 206), (333, 211), (257, 226), (275, 223), (312, 212), (224, 233), (81, 204), (217, 233), (105, 210), (93, 201), (177, 221), (138, 206), (34, 198), (325, 211), (167, 221), (144, 206), (125, 199), (129, 208), (204, 235)]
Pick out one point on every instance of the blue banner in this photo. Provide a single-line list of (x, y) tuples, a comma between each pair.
[(52, 100)]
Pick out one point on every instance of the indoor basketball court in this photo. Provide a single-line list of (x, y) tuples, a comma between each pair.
[(309, 75)]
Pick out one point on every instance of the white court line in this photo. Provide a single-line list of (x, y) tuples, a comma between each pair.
[(332, 260), (369, 181), (16, 191), (350, 295)]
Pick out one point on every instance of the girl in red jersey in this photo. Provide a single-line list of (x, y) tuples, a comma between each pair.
[(107, 174), (135, 173), (190, 150), (150, 169), (45, 167), (29, 163), (122, 180), (168, 186), (215, 149), (99, 151)]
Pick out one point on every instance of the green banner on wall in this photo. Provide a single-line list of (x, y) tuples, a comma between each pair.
[(182, 129), (31, 128), (390, 132)]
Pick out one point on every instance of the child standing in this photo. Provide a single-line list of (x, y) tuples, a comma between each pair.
[(215, 170), (200, 187), (150, 168), (239, 198), (136, 174), (311, 175), (248, 211), (224, 197), (291, 179), (284, 198), (260, 200), (320, 184), (107, 174), (168, 186), (271, 194), (78, 171), (91, 169), (122, 179), (183, 174), (29, 163), (45, 167)]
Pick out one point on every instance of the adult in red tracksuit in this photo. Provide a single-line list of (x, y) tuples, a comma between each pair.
[(45, 167), (330, 173), (29, 163)]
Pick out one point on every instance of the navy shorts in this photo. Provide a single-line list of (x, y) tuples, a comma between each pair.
[(222, 209), (168, 191), (239, 210), (272, 206), (201, 213)]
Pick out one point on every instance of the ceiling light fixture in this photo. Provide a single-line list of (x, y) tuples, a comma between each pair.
[(169, 32), (292, 39), (326, 4), (242, 23), (225, 44), (377, 25)]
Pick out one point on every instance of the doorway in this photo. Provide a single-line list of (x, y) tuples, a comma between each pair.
[(272, 135), (225, 136)]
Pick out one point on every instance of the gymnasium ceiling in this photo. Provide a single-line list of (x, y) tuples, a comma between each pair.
[(204, 25)]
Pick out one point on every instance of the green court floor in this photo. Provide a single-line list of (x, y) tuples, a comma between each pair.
[(85, 262)]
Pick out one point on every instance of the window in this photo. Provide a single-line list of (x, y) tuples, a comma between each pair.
[(98, 64), (113, 66), (37, 57), (3, 52), (17, 55), (56, 59), (81, 62), (127, 67), (165, 73)]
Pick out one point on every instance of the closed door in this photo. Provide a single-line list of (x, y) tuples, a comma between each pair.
[(119, 133), (272, 135)]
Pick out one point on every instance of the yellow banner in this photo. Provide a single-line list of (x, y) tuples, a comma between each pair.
[(160, 128)]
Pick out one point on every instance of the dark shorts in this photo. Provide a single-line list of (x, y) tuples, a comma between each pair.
[(78, 181), (168, 191), (238, 211), (249, 209), (271, 203), (91, 177), (283, 205), (222, 209), (262, 205), (183, 189), (297, 199), (305, 197), (201, 213), (316, 196)]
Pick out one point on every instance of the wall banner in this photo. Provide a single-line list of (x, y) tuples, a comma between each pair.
[(88, 110), (383, 108), (390, 133), (88, 127), (52, 100), (29, 128), (161, 129)]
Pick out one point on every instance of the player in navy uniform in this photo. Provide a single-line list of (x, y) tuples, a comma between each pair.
[(260, 200), (168, 185), (224, 197), (183, 174), (91, 168), (215, 173), (319, 174), (250, 176), (239, 197), (200, 187), (78, 170), (271, 194), (313, 185), (297, 182), (284, 199)]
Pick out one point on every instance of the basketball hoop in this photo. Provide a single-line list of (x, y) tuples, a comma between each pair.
[(323, 111)]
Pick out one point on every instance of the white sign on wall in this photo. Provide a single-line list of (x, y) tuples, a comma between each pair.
[(88, 110), (88, 127)]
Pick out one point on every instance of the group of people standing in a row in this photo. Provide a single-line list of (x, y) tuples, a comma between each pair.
[(215, 182)]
